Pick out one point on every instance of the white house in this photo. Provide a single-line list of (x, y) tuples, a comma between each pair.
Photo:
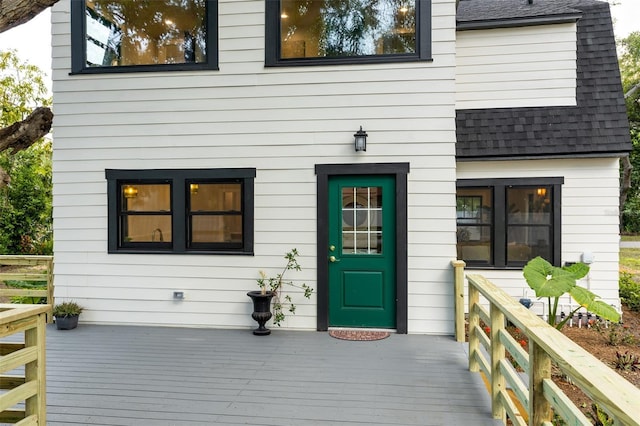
[(197, 141)]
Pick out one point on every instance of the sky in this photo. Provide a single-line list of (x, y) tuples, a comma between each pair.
[(32, 40)]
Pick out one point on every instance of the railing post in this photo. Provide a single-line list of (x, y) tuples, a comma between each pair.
[(497, 355), (474, 321), (540, 369), (36, 370), (458, 293), (50, 299)]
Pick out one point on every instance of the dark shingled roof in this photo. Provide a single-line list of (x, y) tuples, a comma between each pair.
[(596, 127)]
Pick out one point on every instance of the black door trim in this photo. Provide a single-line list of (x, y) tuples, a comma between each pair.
[(399, 171)]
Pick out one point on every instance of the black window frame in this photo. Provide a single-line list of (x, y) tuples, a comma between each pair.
[(79, 46), (180, 180), (273, 46), (499, 187)]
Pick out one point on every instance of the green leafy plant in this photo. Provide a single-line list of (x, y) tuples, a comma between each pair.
[(626, 361), (618, 334), (281, 301), (599, 416), (29, 285), (67, 309), (552, 282), (629, 291)]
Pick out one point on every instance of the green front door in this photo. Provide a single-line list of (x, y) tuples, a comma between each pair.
[(361, 252)]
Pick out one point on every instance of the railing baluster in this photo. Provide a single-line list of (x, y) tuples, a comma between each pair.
[(458, 293), (540, 369), (474, 321), (546, 345), (497, 355)]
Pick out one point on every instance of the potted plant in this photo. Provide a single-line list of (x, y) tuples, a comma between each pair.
[(66, 315), (271, 290)]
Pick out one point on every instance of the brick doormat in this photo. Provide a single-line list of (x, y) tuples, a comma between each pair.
[(360, 335)]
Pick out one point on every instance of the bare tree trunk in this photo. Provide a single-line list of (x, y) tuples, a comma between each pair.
[(16, 12)]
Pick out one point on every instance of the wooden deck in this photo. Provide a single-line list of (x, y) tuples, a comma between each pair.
[(116, 375)]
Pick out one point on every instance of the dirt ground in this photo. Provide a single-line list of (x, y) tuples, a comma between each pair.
[(604, 344)]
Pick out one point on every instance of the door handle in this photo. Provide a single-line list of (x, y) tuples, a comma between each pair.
[(333, 259)]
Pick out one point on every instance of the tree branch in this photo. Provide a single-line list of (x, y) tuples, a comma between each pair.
[(23, 134), (16, 12)]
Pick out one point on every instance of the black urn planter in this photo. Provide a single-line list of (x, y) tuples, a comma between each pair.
[(261, 311), (67, 323)]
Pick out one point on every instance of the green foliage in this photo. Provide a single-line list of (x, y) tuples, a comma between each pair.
[(626, 361), (630, 73), (629, 292), (67, 309), (618, 334), (25, 205), (22, 86), (599, 416), (552, 282), (30, 285), (275, 285)]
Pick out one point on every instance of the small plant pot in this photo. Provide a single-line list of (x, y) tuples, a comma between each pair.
[(261, 311), (67, 323)]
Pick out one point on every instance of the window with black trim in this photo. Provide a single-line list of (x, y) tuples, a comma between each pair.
[(180, 210), (129, 35), (507, 222), (322, 32)]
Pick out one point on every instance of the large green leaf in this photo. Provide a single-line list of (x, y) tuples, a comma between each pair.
[(579, 270), (591, 303), (583, 296), (548, 280)]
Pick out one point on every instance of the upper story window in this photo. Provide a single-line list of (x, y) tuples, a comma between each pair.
[(131, 35), (308, 32), (180, 210), (507, 222)]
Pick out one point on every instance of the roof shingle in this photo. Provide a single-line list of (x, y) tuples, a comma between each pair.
[(597, 126)]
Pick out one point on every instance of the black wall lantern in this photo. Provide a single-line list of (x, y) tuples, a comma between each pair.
[(360, 140)]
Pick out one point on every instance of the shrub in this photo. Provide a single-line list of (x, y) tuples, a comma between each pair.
[(30, 286), (626, 361), (629, 292)]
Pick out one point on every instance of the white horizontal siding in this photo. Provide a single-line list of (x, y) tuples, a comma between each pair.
[(282, 121), (516, 67), (589, 218)]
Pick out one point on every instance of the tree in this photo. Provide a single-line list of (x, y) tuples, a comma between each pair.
[(18, 135), (25, 205), (630, 186)]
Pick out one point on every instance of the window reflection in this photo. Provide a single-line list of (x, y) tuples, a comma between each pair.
[(474, 213), (130, 32), (339, 28)]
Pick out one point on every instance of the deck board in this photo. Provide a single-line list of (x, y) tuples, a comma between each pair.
[(118, 375)]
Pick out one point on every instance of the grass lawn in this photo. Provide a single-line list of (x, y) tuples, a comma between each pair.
[(630, 260), (630, 237)]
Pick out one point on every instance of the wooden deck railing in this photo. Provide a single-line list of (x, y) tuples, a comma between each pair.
[(547, 346), (35, 269), (30, 357)]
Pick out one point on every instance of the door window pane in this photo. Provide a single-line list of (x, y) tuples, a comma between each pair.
[(347, 28), (132, 32), (362, 220)]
